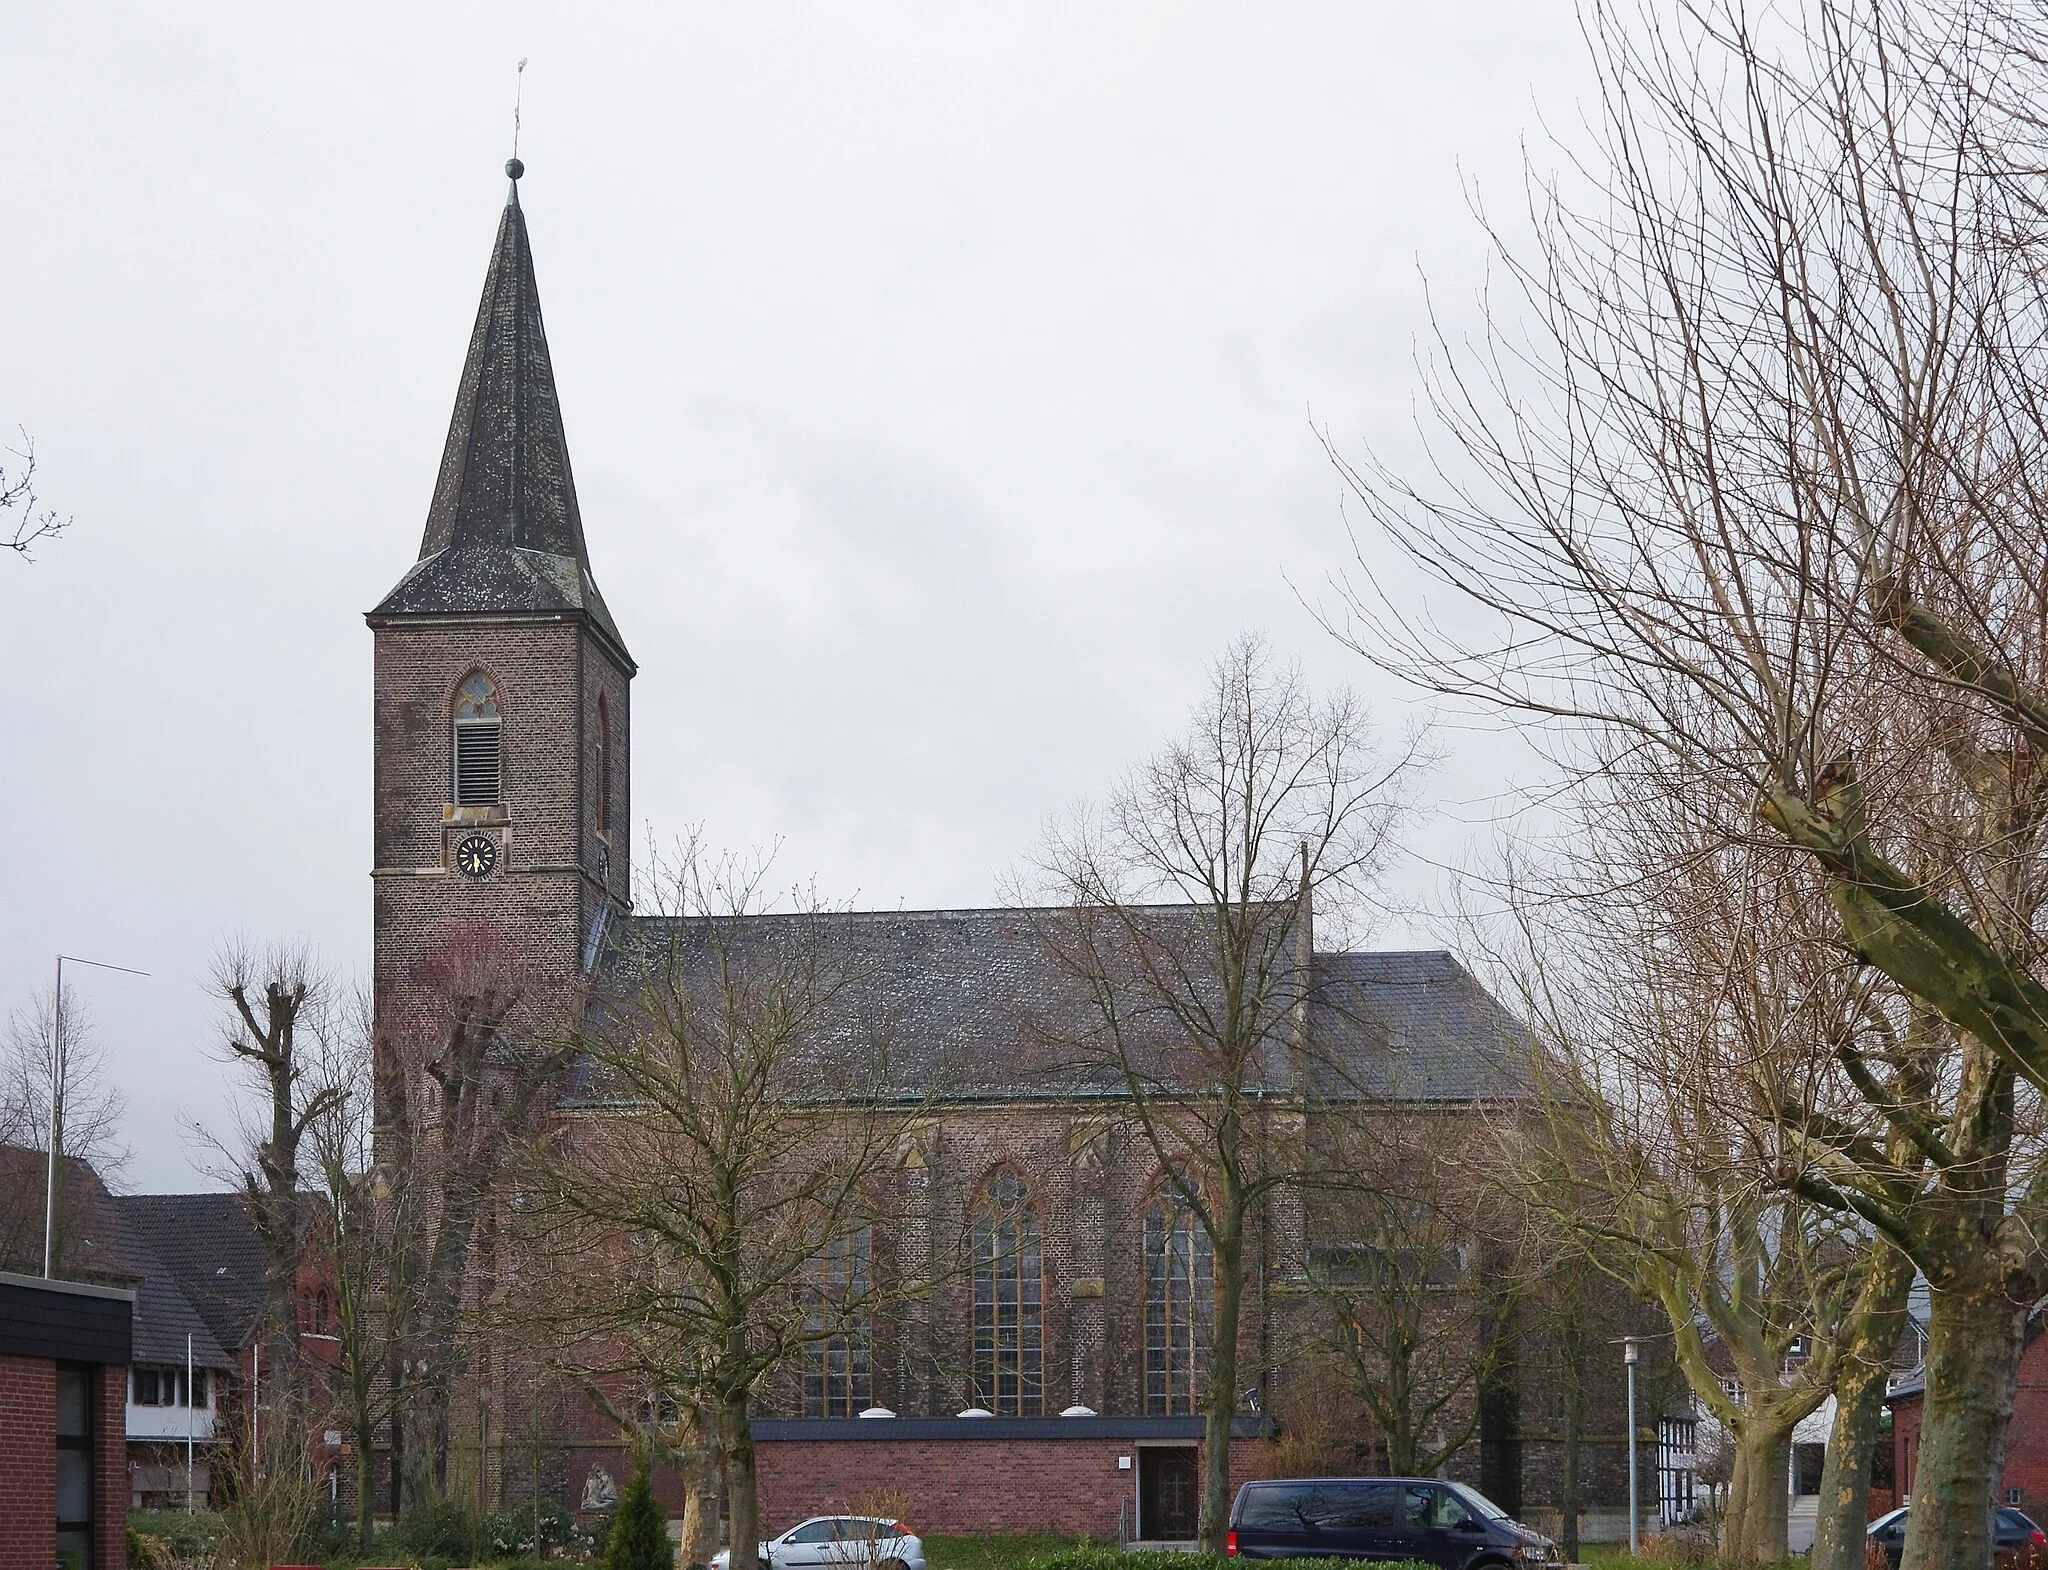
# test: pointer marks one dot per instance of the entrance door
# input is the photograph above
(1169, 1493)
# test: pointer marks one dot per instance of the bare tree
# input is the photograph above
(272, 1034)
(33, 1056)
(1272, 800)
(32, 523)
(1416, 1282)
(1754, 505)
(742, 1124)
(464, 1091)
(362, 1234)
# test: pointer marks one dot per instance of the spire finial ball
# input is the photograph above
(514, 168)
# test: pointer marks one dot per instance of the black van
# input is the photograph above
(1440, 1523)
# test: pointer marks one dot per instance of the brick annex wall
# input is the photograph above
(951, 1487)
(28, 1481)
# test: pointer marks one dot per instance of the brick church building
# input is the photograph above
(503, 778)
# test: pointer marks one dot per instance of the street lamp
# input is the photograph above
(1631, 1354)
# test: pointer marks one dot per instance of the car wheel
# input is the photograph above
(892, 1564)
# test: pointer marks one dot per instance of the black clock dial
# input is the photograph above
(476, 855)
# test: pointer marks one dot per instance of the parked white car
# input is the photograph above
(858, 1542)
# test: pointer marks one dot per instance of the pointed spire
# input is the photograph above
(504, 532)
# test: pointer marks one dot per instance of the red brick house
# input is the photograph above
(2025, 1483)
(64, 1352)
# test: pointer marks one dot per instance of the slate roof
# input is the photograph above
(209, 1251)
(504, 533)
(105, 1247)
(972, 1004)
(1414, 1026)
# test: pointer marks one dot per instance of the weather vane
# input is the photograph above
(514, 167)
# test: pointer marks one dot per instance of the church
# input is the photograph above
(503, 738)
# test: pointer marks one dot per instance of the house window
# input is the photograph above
(1180, 1296)
(74, 1467)
(146, 1387)
(478, 757)
(604, 765)
(1009, 1301)
(838, 1381)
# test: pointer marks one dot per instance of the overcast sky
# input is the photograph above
(939, 383)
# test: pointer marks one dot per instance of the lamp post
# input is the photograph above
(1631, 1353)
(57, 1100)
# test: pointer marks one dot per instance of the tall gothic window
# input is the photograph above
(604, 764)
(1180, 1296)
(838, 1378)
(1009, 1301)
(479, 760)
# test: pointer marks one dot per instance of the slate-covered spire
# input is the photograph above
(504, 533)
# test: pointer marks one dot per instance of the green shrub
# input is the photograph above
(512, 1532)
(172, 1537)
(445, 1531)
(1091, 1558)
(639, 1538)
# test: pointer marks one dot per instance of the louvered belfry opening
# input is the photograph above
(479, 753)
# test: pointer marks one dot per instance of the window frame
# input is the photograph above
(74, 1527)
(1006, 1320)
(1176, 1345)
(476, 712)
(839, 1359)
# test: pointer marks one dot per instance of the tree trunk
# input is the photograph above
(1219, 1397)
(1757, 1502)
(1866, 1353)
(366, 1489)
(736, 1440)
(1574, 1429)
(1974, 1336)
(698, 1448)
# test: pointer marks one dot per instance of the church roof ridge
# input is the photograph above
(504, 532)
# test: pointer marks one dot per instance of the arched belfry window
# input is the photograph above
(1009, 1301)
(604, 764)
(1180, 1298)
(479, 753)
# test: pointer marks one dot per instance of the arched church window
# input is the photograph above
(479, 759)
(1009, 1301)
(838, 1356)
(604, 764)
(1180, 1297)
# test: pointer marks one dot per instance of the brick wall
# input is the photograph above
(28, 1477)
(1073, 1487)
(28, 1466)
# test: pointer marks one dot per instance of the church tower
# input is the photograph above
(502, 735)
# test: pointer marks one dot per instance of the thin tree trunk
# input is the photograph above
(1757, 1502)
(1219, 1398)
(736, 1440)
(366, 1488)
(1865, 1361)
(1974, 1336)
(698, 1447)
(1574, 1429)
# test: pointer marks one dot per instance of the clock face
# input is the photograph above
(476, 855)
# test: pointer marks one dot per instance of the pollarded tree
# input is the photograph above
(1271, 802)
(273, 1033)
